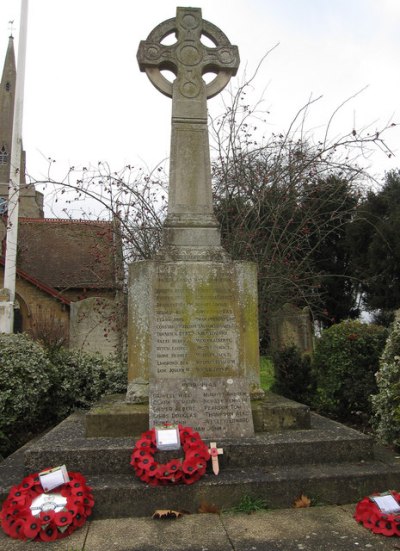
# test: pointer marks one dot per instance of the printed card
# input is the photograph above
(168, 438)
(386, 503)
(52, 478)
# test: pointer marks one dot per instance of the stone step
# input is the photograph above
(112, 417)
(336, 483)
(325, 442)
(329, 463)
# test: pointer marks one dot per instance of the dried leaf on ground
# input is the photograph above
(209, 508)
(302, 501)
(166, 514)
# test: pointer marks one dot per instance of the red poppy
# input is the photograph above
(141, 453)
(88, 500)
(63, 518)
(65, 491)
(16, 528)
(28, 482)
(146, 462)
(189, 466)
(79, 519)
(197, 455)
(16, 493)
(140, 444)
(46, 517)
(50, 533)
(174, 465)
(163, 473)
(78, 477)
(191, 479)
(32, 527)
(149, 435)
(185, 432)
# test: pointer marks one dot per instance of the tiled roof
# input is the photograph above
(67, 254)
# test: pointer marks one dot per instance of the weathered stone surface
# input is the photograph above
(191, 230)
(325, 442)
(93, 327)
(216, 407)
(292, 326)
(194, 319)
(193, 532)
(192, 313)
(113, 417)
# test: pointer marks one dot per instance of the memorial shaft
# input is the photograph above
(190, 223)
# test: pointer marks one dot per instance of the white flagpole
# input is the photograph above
(15, 168)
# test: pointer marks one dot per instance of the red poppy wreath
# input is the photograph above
(29, 513)
(369, 515)
(187, 470)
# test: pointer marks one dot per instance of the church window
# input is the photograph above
(3, 156)
(8, 86)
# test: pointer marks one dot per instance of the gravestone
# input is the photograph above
(192, 312)
(93, 326)
(292, 326)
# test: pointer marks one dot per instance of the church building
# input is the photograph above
(61, 263)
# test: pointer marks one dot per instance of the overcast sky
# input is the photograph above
(86, 100)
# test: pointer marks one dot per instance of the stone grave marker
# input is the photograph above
(192, 314)
(292, 326)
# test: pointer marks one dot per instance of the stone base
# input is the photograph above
(328, 462)
(113, 417)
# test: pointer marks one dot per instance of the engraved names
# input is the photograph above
(195, 328)
(225, 405)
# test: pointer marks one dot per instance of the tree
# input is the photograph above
(282, 201)
(375, 247)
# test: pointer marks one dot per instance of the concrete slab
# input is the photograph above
(190, 533)
(75, 542)
(315, 529)
(312, 529)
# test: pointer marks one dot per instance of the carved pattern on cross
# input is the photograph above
(189, 59)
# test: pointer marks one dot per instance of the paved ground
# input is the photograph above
(315, 529)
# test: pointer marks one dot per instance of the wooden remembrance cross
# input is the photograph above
(190, 196)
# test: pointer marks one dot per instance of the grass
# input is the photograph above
(249, 504)
(266, 373)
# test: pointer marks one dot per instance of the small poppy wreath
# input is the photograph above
(18, 521)
(369, 515)
(187, 470)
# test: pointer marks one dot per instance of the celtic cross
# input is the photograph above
(190, 225)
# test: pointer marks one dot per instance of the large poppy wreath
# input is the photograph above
(47, 520)
(368, 513)
(187, 470)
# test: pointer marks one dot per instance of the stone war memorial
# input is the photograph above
(193, 352)
(192, 329)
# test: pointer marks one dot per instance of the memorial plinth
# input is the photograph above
(194, 322)
(192, 312)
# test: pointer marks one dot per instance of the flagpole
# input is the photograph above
(10, 268)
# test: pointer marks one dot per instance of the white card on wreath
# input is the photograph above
(386, 503)
(168, 438)
(52, 478)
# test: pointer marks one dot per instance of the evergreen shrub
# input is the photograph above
(26, 375)
(386, 403)
(82, 378)
(292, 374)
(40, 386)
(345, 362)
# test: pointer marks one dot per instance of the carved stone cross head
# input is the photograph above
(189, 59)
(190, 229)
